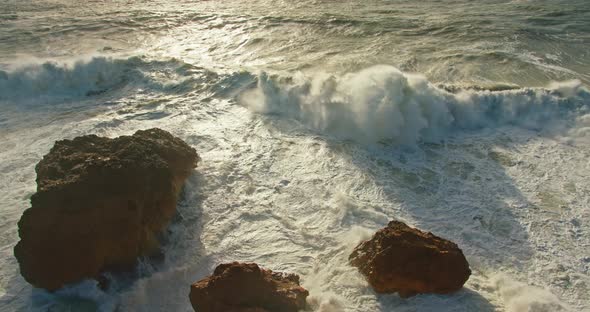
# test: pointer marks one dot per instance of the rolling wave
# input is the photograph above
(382, 103)
(96, 76)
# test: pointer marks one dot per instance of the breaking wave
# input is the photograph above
(383, 103)
(94, 76)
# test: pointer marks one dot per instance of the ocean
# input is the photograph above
(317, 122)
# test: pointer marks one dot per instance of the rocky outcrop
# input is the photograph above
(100, 203)
(408, 261)
(245, 287)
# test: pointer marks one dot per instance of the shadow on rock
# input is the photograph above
(164, 283)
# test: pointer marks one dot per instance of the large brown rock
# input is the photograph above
(408, 261)
(245, 287)
(100, 203)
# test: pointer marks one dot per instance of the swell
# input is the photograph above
(382, 103)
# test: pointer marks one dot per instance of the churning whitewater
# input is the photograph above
(382, 103)
(318, 123)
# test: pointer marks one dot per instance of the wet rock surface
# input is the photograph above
(100, 204)
(245, 287)
(405, 260)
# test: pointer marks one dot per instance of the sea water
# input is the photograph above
(318, 122)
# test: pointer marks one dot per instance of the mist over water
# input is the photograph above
(318, 122)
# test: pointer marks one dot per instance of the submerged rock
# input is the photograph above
(100, 203)
(408, 261)
(245, 287)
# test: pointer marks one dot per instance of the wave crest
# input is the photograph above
(96, 76)
(50, 78)
(383, 103)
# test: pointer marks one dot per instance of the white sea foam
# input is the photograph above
(513, 200)
(48, 80)
(85, 296)
(300, 204)
(51, 78)
(383, 103)
(520, 297)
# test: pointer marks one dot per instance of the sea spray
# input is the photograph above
(520, 297)
(382, 103)
(52, 81)
(60, 79)
(85, 296)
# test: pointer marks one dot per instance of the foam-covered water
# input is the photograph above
(318, 122)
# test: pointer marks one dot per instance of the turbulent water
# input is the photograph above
(318, 122)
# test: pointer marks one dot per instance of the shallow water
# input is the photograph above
(318, 122)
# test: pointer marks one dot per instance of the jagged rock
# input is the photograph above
(100, 203)
(245, 287)
(408, 261)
